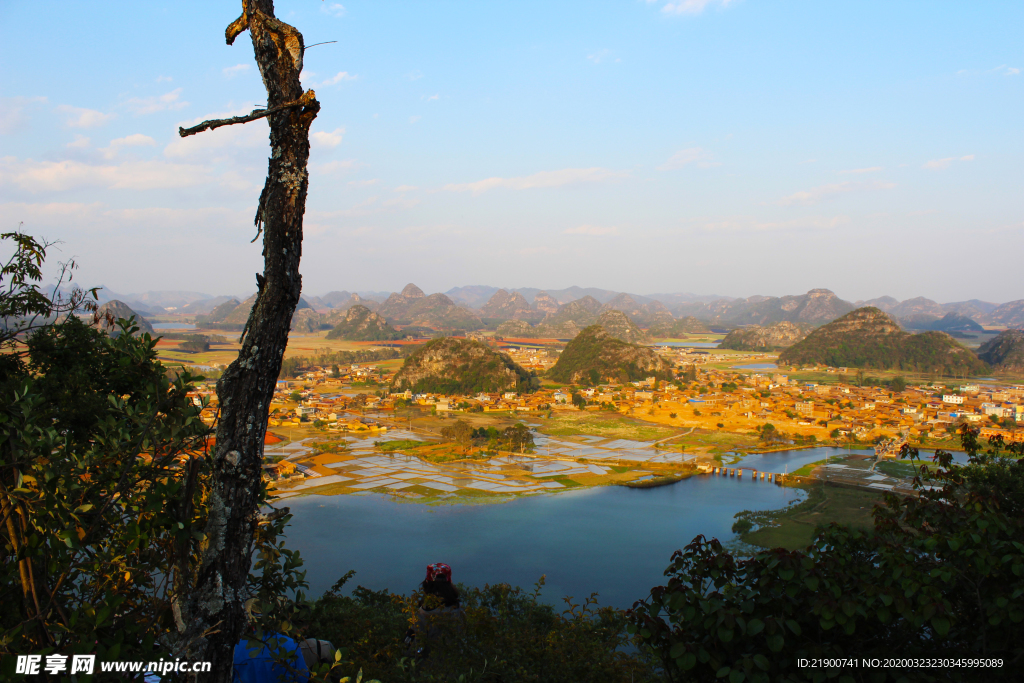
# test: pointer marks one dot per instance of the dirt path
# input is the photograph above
(676, 436)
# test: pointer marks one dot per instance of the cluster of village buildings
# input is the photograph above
(745, 402)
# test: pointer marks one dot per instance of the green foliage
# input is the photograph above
(102, 466)
(502, 634)
(103, 496)
(941, 575)
(195, 343)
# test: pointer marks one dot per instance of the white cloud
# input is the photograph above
(164, 79)
(12, 112)
(78, 117)
(332, 139)
(824, 192)
(566, 176)
(80, 142)
(150, 105)
(690, 155)
(941, 164)
(414, 75)
(334, 166)
(232, 71)
(1007, 70)
(415, 118)
(432, 97)
(871, 169)
(136, 140)
(692, 6)
(406, 188)
(334, 9)
(600, 230)
(599, 56)
(56, 176)
(338, 78)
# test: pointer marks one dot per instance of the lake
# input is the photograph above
(613, 540)
(173, 326)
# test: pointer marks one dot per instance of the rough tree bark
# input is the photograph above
(211, 618)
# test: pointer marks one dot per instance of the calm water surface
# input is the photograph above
(613, 540)
(173, 326)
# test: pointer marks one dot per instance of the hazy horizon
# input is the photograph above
(734, 147)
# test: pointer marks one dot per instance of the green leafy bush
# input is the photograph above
(941, 575)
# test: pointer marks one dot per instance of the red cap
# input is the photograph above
(439, 570)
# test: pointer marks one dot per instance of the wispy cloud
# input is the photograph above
(164, 79)
(431, 98)
(940, 164)
(136, 140)
(1007, 70)
(602, 56)
(414, 75)
(870, 169)
(232, 71)
(364, 183)
(691, 155)
(78, 117)
(151, 105)
(597, 230)
(406, 188)
(325, 139)
(12, 112)
(335, 166)
(692, 6)
(338, 78)
(80, 142)
(825, 192)
(334, 10)
(56, 176)
(414, 118)
(543, 179)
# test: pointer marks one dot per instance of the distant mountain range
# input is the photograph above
(477, 306)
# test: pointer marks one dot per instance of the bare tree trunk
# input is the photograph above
(213, 615)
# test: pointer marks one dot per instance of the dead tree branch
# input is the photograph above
(255, 115)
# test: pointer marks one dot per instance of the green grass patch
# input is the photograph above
(806, 470)
(794, 527)
(562, 479)
(607, 425)
(399, 445)
(619, 469)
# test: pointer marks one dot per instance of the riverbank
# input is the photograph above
(794, 527)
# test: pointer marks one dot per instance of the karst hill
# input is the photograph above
(359, 323)
(1004, 352)
(454, 365)
(594, 356)
(869, 338)
(757, 338)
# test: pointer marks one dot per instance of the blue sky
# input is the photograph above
(742, 147)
